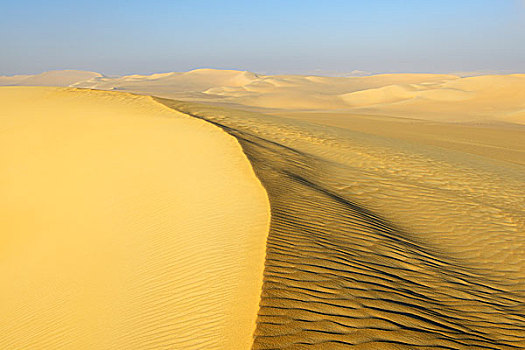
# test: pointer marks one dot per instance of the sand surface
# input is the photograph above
(124, 225)
(380, 243)
(397, 205)
(51, 78)
(499, 141)
(436, 97)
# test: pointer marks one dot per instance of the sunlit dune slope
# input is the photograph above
(378, 242)
(481, 98)
(124, 225)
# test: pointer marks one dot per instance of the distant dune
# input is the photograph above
(437, 97)
(51, 78)
(124, 225)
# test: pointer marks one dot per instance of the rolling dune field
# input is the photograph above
(232, 210)
(435, 97)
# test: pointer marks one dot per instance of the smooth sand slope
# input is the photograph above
(382, 243)
(124, 225)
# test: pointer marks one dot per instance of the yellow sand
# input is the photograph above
(437, 97)
(51, 78)
(124, 225)
(381, 240)
(397, 205)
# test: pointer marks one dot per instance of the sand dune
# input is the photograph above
(397, 207)
(436, 97)
(377, 243)
(124, 225)
(51, 78)
(198, 80)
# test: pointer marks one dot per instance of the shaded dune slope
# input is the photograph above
(376, 245)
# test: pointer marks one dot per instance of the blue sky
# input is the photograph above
(323, 37)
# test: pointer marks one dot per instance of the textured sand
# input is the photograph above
(499, 141)
(124, 225)
(380, 243)
(397, 205)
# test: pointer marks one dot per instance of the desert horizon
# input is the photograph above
(406, 230)
(291, 175)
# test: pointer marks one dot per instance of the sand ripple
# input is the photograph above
(376, 244)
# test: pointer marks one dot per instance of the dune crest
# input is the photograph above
(124, 225)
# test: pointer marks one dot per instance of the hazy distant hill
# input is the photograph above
(437, 97)
(51, 78)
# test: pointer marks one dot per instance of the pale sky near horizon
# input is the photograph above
(296, 36)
